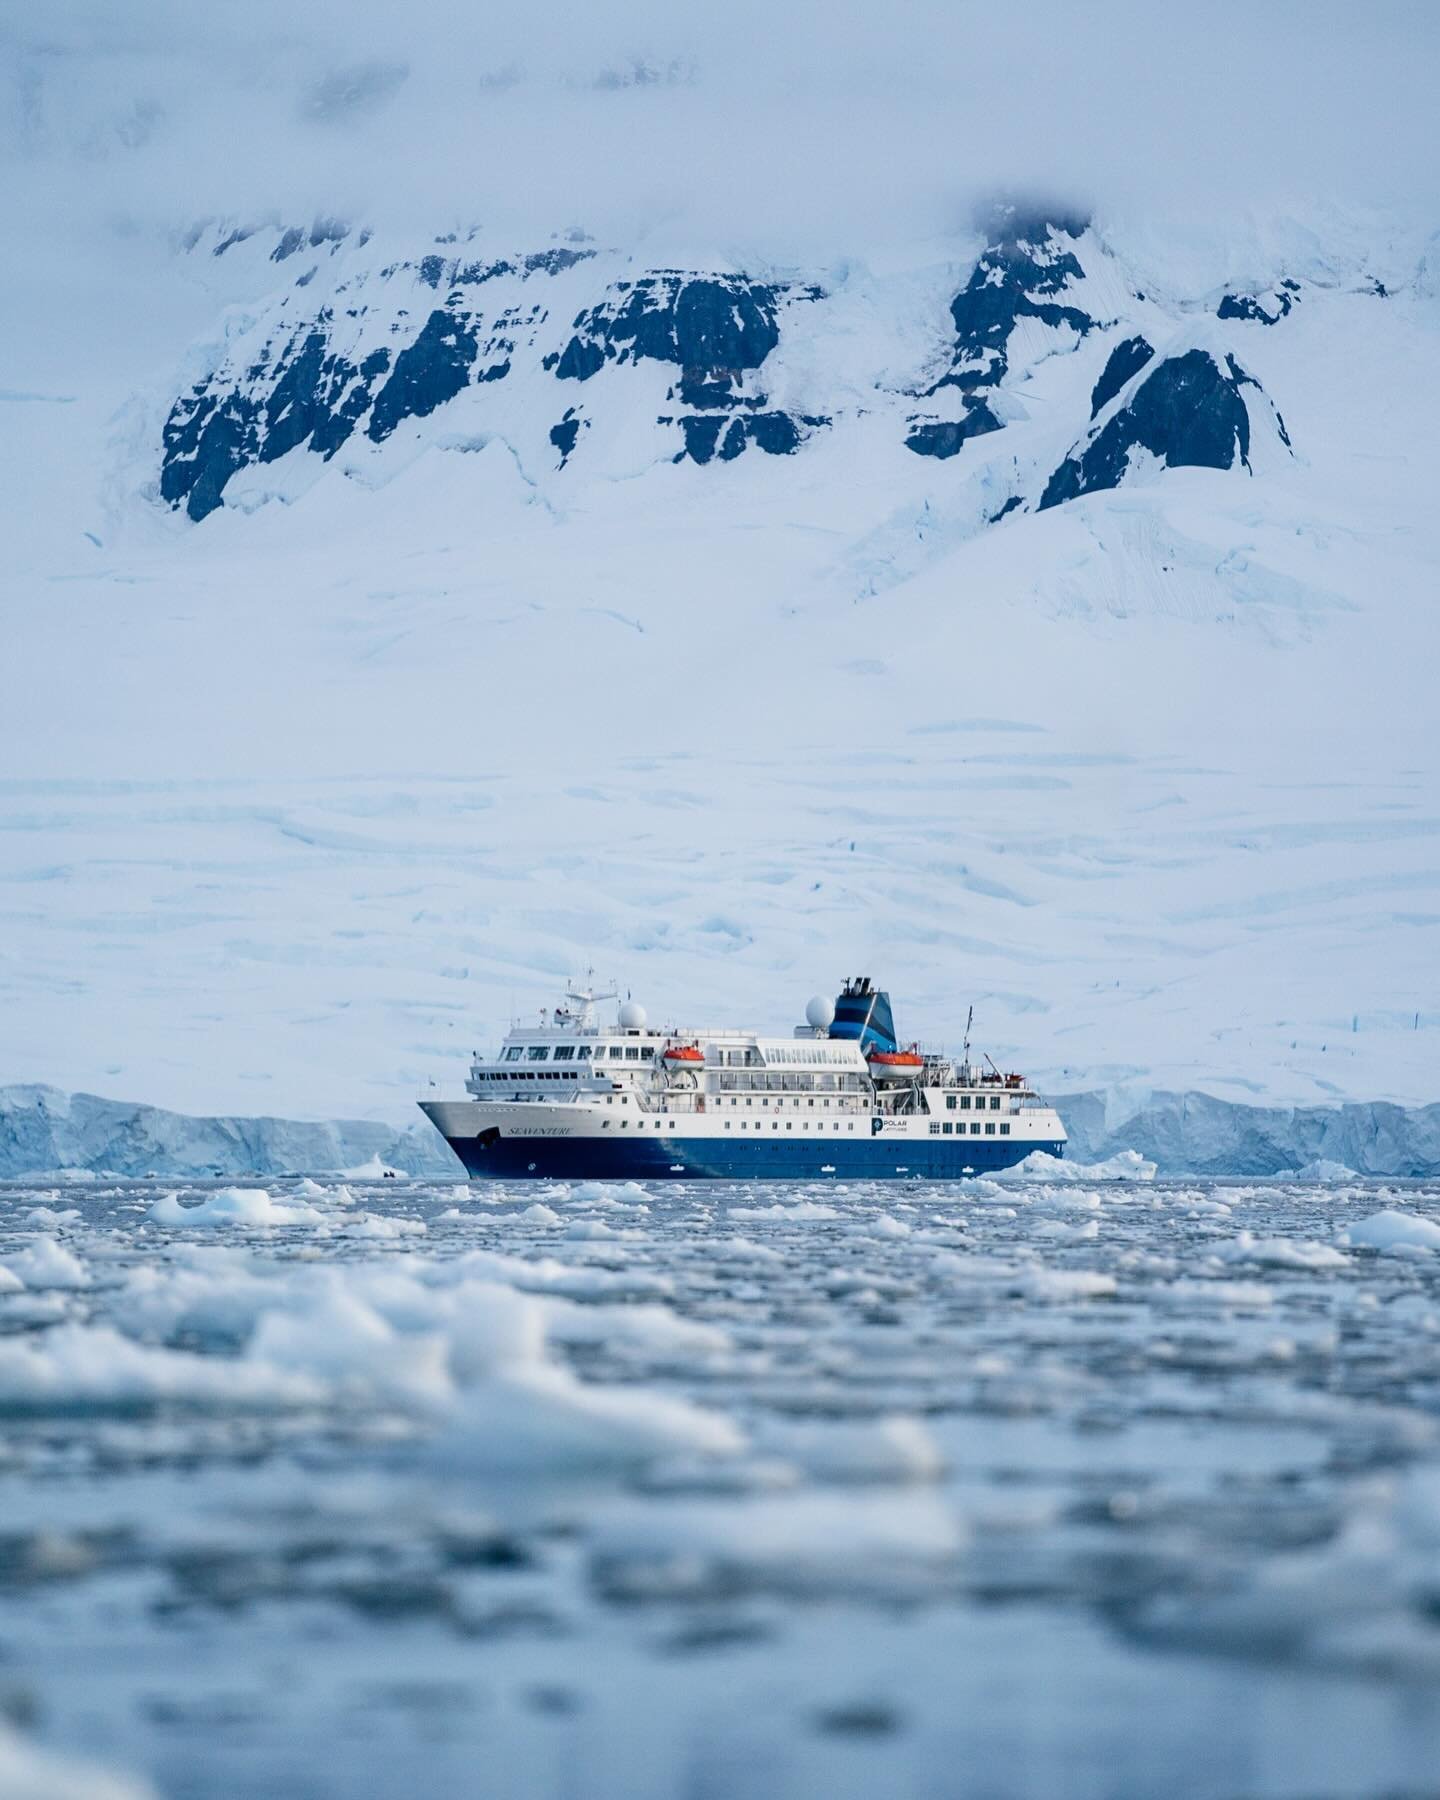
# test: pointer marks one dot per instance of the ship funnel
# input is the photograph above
(862, 1015)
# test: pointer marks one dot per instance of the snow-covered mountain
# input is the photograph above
(565, 353)
(1042, 615)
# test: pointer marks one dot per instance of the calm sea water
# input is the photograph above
(1091, 1489)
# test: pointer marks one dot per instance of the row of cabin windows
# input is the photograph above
(579, 1052)
(937, 1129)
(745, 1125)
(963, 1102)
(513, 1075)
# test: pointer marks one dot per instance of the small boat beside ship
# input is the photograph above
(839, 1098)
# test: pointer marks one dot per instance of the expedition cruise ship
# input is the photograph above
(839, 1098)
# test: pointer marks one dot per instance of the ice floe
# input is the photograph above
(1394, 1231)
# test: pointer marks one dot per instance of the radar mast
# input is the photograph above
(583, 998)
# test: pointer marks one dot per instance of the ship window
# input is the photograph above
(624, 1124)
(947, 1128)
(632, 1054)
(934, 1128)
(604, 1124)
(647, 1053)
(994, 1103)
(1004, 1131)
(564, 1052)
(964, 1103)
(514, 1053)
(582, 1052)
(989, 1131)
(789, 1124)
(537, 1052)
(774, 1124)
(975, 1130)
(950, 1102)
(617, 1051)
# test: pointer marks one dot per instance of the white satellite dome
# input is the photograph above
(820, 1013)
(632, 1016)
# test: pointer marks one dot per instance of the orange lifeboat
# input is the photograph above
(895, 1065)
(683, 1054)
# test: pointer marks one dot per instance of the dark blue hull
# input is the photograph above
(499, 1158)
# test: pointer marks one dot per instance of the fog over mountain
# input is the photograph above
(789, 128)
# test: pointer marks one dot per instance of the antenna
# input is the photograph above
(970, 1020)
(585, 996)
(991, 1060)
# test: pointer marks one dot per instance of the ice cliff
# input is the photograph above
(42, 1128)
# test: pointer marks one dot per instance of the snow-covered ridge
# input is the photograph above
(543, 345)
(44, 1129)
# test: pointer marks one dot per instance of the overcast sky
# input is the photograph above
(785, 123)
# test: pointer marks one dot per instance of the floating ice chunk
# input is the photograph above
(1063, 1284)
(895, 1449)
(800, 1211)
(543, 1275)
(10, 1282)
(46, 1264)
(1066, 1199)
(380, 1225)
(795, 1542)
(743, 1250)
(1125, 1165)
(1360, 1600)
(539, 1214)
(27, 1773)
(1391, 1230)
(46, 1215)
(608, 1193)
(1279, 1253)
(1058, 1228)
(647, 1327)
(1419, 1310)
(88, 1368)
(528, 1419)
(1252, 1295)
(1324, 1170)
(234, 1206)
(882, 1225)
(357, 1354)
